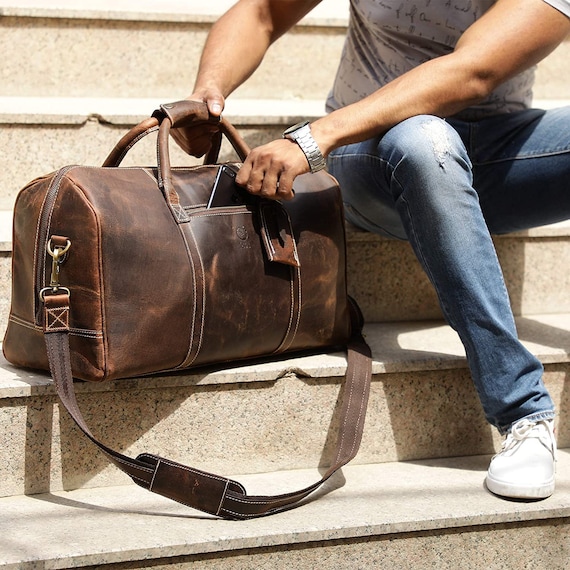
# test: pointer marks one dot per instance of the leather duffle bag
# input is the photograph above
(124, 272)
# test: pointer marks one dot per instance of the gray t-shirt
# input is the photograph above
(387, 38)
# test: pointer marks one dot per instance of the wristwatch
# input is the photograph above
(301, 134)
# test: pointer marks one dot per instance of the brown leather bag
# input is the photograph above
(123, 272)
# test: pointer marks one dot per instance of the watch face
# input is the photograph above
(295, 128)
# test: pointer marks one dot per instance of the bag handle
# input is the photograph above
(180, 114)
(207, 492)
(183, 113)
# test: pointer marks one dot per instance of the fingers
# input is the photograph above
(215, 105)
(212, 97)
(197, 140)
(269, 170)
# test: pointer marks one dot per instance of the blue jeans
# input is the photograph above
(446, 186)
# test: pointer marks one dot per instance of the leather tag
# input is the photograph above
(277, 234)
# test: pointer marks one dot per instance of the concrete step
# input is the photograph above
(390, 285)
(152, 48)
(278, 415)
(121, 49)
(5, 267)
(420, 515)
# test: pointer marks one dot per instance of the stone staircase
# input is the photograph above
(74, 77)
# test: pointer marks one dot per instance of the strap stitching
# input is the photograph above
(57, 316)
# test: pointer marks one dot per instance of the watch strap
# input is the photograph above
(302, 135)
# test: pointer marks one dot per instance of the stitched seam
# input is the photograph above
(358, 421)
(62, 174)
(267, 238)
(199, 348)
(291, 311)
(242, 515)
(298, 270)
(124, 462)
(154, 474)
(200, 338)
(255, 515)
(87, 333)
(193, 323)
(137, 478)
(285, 344)
(206, 214)
(223, 497)
(134, 141)
(249, 502)
(345, 420)
(295, 253)
(59, 315)
(185, 468)
(22, 323)
(35, 276)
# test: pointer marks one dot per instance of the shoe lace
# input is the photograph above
(525, 429)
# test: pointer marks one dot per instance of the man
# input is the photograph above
(430, 134)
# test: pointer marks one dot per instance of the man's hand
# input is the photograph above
(269, 170)
(196, 141)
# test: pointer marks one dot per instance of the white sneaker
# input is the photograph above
(525, 466)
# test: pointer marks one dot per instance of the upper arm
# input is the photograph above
(278, 16)
(511, 37)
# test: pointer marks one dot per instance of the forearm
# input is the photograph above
(239, 40)
(438, 87)
(227, 60)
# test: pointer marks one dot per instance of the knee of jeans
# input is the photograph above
(422, 140)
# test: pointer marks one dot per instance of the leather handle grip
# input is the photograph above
(180, 114)
(186, 114)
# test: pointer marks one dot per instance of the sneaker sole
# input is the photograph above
(519, 492)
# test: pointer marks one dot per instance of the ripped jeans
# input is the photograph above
(446, 186)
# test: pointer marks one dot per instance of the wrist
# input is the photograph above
(302, 135)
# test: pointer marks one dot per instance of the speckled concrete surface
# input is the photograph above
(432, 513)
(78, 57)
(215, 421)
(386, 279)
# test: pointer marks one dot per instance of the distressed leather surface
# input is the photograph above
(153, 292)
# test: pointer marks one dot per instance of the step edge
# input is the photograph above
(125, 111)
(449, 495)
(327, 16)
(421, 346)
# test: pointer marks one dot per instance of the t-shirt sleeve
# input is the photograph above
(562, 5)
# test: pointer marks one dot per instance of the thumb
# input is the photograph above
(216, 105)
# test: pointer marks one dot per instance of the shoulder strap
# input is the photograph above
(204, 491)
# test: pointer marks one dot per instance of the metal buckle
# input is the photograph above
(57, 254)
